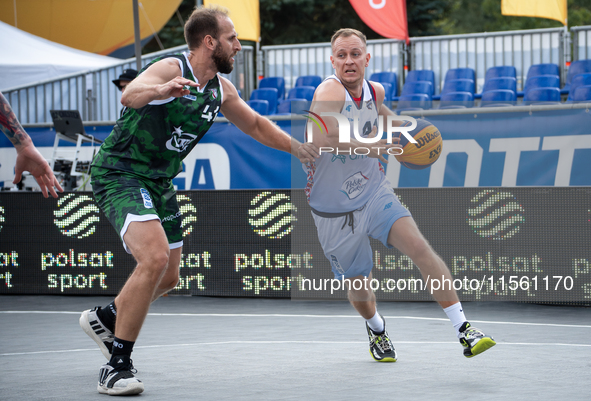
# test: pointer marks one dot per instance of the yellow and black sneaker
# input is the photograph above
(474, 341)
(380, 346)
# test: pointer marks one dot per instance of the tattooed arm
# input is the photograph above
(28, 157)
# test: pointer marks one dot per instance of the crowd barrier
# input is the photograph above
(482, 147)
(292, 61)
(94, 94)
(581, 37)
(481, 51)
(97, 99)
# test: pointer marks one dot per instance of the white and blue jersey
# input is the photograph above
(339, 183)
(350, 197)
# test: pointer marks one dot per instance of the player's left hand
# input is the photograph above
(29, 159)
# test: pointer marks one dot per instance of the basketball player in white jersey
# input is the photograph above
(352, 200)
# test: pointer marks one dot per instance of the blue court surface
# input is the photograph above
(199, 348)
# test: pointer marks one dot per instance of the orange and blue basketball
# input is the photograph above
(426, 151)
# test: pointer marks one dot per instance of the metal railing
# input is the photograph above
(481, 51)
(292, 61)
(97, 99)
(581, 36)
(94, 95)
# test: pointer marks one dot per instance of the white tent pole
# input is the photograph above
(136, 32)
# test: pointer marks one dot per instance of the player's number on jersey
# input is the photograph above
(209, 115)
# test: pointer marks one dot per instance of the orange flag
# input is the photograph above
(385, 17)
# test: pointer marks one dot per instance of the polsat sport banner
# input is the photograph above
(385, 17)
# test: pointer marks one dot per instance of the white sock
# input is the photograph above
(376, 323)
(455, 313)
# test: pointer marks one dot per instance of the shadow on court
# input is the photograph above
(199, 348)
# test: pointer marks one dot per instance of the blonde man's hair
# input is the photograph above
(345, 33)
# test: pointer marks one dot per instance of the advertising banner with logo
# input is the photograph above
(550, 148)
(501, 244)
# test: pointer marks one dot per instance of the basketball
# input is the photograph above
(426, 151)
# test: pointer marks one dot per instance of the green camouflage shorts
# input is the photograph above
(125, 197)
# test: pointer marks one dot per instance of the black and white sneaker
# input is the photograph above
(380, 346)
(92, 325)
(120, 380)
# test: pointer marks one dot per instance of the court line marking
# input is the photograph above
(584, 326)
(255, 342)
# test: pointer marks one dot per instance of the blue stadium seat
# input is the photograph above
(500, 83)
(542, 81)
(294, 105)
(576, 68)
(582, 94)
(268, 94)
(578, 80)
(542, 96)
(387, 91)
(458, 85)
(421, 75)
(456, 100)
(417, 101)
(460, 73)
(301, 92)
(260, 106)
(501, 71)
(309, 80)
(414, 87)
(386, 78)
(542, 69)
(274, 82)
(498, 97)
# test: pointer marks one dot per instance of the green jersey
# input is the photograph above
(152, 141)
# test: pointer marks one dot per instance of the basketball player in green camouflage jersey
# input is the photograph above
(170, 106)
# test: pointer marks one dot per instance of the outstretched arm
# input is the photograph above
(260, 128)
(28, 157)
(160, 81)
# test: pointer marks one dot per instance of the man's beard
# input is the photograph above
(222, 62)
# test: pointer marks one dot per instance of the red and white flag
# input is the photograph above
(385, 17)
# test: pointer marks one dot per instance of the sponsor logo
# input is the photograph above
(147, 200)
(272, 215)
(425, 139)
(354, 185)
(335, 263)
(76, 216)
(496, 214)
(213, 94)
(180, 140)
(435, 152)
(172, 216)
(189, 213)
(388, 206)
(190, 97)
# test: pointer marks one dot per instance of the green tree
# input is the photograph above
(172, 34)
(312, 21)
(307, 21)
(471, 16)
(423, 16)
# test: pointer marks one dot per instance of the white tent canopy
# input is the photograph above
(26, 58)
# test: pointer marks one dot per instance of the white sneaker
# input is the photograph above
(96, 330)
(118, 382)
